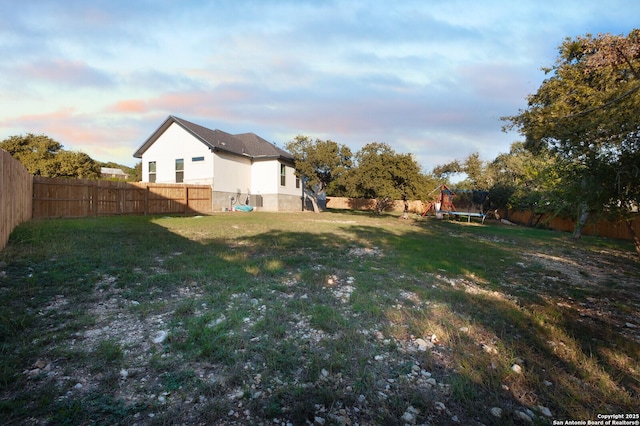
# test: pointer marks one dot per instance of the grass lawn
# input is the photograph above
(339, 318)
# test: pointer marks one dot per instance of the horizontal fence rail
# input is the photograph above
(60, 197)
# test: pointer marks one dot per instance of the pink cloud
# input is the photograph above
(201, 103)
(103, 140)
(129, 106)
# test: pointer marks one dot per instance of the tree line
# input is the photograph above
(580, 156)
(44, 156)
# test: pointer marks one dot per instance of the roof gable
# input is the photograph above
(245, 144)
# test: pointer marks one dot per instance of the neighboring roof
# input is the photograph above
(112, 171)
(245, 144)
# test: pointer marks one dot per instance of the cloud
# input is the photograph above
(431, 78)
(498, 82)
(100, 138)
(65, 72)
(129, 106)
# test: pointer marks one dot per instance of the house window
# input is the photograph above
(152, 171)
(197, 159)
(179, 170)
(297, 182)
(283, 175)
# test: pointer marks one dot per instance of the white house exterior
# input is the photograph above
(239, 168)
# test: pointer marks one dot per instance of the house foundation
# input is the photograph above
(225, 201)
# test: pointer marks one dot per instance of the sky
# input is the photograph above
(428, 77)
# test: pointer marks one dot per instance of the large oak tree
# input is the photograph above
(318, 163)
(384, 175)
(588, 113)
(43, 156)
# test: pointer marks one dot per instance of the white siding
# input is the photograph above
(173, 144)
(233, 173)
(228, 174)
(266, 179)
(290, 182)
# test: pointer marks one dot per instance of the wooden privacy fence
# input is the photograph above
(15, 195)
(61, 197)
(415, 206)
(599, 228)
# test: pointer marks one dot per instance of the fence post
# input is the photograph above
(146, 200)
(94, 201)
(121, 197)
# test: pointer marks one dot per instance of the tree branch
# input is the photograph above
(603, 106)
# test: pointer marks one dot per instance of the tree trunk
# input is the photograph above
(533, 214)
(582, 220)
(538, 219)
(314, 203)
(636, 239)
(382, 204)
(314, 200)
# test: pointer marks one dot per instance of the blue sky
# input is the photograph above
(427, 77)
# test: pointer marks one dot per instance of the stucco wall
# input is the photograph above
(232, 173)
(176, 143)
(290, 203)
(266, 178)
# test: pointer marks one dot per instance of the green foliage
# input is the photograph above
(134, 173)
(281, 342)
(479, 174)
(378, 173)
(75, 165)
(588, 113)
(526, 181)
(43, 156)
(35, 152)
(384, 175)
(319, 163)
(108, 353)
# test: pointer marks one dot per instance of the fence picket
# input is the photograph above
(16, 186)
(61, 197)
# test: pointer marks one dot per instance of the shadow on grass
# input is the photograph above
(210, 290)
(575, 367)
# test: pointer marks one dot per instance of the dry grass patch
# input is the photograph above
(343, 318)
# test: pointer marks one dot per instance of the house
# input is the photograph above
(241, 169)
(113, 173)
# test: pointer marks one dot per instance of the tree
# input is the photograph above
(384, 175)
(43, 156)
(445, 171)
(526, 181)
(136, 172)
(478, 174)
(73, 164)
(35, 152)
(318, 163)
(588, 113)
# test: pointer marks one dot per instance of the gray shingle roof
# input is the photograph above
(244, 144)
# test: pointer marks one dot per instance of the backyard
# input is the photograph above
(341, 318)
